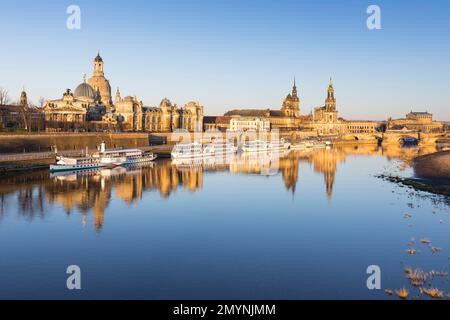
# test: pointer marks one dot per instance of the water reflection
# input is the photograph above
(91, 192)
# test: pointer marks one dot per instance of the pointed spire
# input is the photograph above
(294, 89)
(84, 77)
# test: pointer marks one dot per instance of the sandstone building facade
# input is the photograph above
(287, 118)
(417, 121)
(90, 107)
(325, 121)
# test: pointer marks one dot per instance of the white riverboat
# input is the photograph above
(118, 157)
(279, 145)
(191, 150)
(221, 148)
(73, 164)
(103, 158)
(299, 146)
(256, 146)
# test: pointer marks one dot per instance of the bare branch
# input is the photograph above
(4, 96)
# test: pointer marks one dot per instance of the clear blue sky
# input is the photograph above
(237, 53)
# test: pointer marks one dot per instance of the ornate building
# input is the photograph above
(100, 83)
(74, 109)
(418, 121)
(66, 113)
(325, 121)
(238, 124)
(168, 117)
(129, 112)
(90, 107)
(291, 105)
(287, 118)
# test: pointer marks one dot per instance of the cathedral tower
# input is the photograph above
(98, 66)
(118, 97)
(100, 83)
(330, 102)
(291, 105)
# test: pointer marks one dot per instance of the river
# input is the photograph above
(305, 227)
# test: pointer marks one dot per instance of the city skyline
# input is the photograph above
(191, 52)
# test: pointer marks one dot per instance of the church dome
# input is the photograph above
(84, 90)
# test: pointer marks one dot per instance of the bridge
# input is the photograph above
(394, 136)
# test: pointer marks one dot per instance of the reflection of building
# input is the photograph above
(91, 107)
(325, 161)
(290, 170)
(88, 191)
(249, 124)
(418, 121)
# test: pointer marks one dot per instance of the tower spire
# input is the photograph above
(294, 89)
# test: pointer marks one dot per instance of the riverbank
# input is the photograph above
(36, 161)
(433, 166)
(432, 174)
(438, 186)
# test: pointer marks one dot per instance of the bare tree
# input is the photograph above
(4, 96)
(23, 110)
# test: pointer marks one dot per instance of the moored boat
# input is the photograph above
(256, 146)
(73, 164)
(118, 157)
(191, 150)
(279, 145)
(299, 146)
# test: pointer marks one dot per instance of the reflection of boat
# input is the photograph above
(72, 164)
(191, 150)
(187, 162)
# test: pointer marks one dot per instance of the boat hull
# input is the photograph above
(60, 167)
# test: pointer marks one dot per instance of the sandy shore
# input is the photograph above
(433, 166)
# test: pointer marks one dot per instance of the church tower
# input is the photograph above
(291, 105)
(118, 97)
(100, 84)
(330, 102)
(23, 99)
(98, 66)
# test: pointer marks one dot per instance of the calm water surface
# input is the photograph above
(240, 230)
